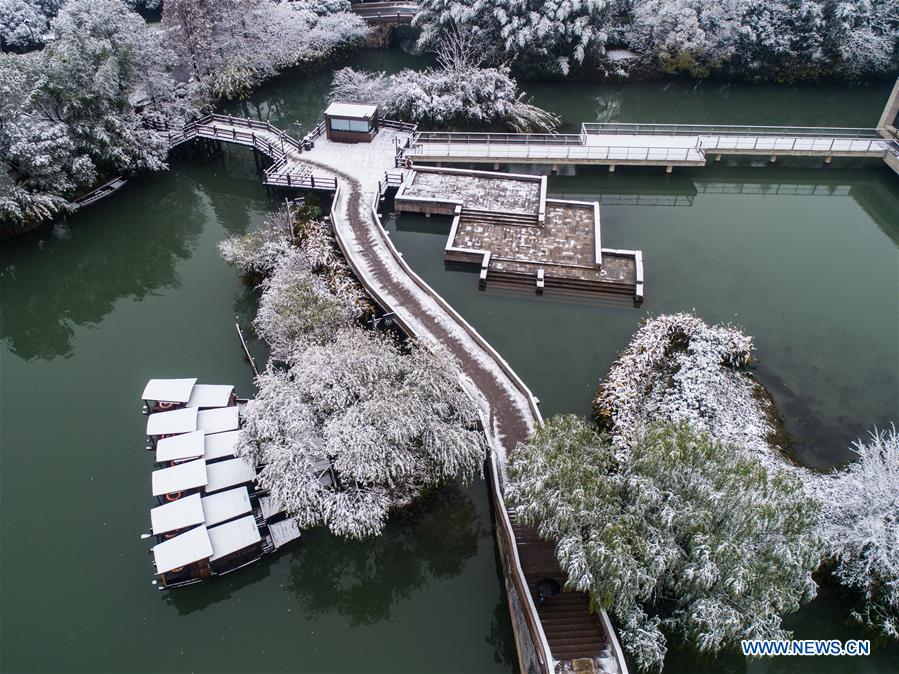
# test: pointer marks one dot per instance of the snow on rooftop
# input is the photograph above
(180, 447)
(233, 536)
(269, 506)
(355, 110)
(226, 505)
(217, 420)
(182, 550)
(221, 445)
(185, 512)
(184, 476)
(284, 531)
(229, 473)
(168, 390)
(176, 421)
(210, 395)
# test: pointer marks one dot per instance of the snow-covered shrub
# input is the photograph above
(296, 305)
(682, 537)
(260, 251)
(860, 527)
(381, 423)
(679, 368)
(459, 92)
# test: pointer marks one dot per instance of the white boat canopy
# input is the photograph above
(233, 536)
(189, 547)
(169, 390)
(269, 506)
(217, 420)
(220, 445)
(210, 395)
(176, 421)
(182, 477)
(283, 532)
(225, 474)
(226, 505)
(185, 512)
(181, 447)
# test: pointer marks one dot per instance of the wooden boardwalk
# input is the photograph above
(508, 408)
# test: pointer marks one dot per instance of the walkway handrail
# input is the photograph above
(504, 138)
(726, 129)
(559, 152)
(809, 143)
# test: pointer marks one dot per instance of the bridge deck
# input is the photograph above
(649, 145)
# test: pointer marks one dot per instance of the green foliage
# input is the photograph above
(681, 537)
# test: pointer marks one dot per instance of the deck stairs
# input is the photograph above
(572, 629)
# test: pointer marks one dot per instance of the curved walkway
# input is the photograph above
(563, 628)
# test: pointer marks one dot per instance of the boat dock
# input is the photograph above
(211, 517)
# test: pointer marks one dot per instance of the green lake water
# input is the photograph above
(134, 288)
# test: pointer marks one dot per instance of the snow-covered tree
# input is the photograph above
(355, 428)
(775, 39)
(682, 537)
(25, 24)
(860, 527)
(80, 110)
(459, 92)
(678, 368)
(233, 45)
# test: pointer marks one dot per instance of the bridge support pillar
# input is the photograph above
(611, 168)
(828, 159)
(669, 168)
(496, 166)
(554, 169)
(772, 158)
(717, 157)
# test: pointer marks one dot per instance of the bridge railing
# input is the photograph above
(815, 144)
(593, 128)
(499, 138)
(602, 153)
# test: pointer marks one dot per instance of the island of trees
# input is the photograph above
(677, 510)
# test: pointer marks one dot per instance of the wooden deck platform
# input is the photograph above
(505, 224)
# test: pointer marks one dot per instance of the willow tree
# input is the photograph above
(860, 514)
(357, 427)
(682, 537)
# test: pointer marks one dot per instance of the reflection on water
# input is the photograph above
(50, 283)
(363, 580)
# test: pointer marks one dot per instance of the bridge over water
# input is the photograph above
(667, 145)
